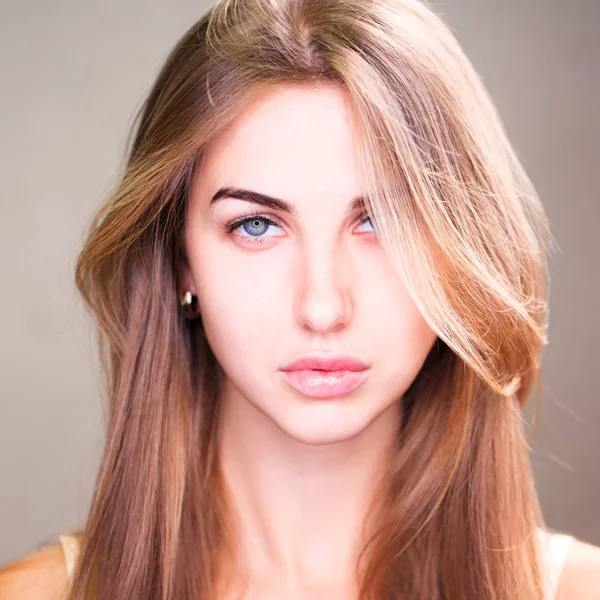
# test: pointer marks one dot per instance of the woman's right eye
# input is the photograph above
(252, 228)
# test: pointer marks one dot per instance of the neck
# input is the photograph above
(300, 507)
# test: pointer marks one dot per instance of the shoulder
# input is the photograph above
(580, 579)
(41, 575)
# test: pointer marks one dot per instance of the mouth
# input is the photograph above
(317, 383)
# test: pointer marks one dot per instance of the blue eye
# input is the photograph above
(254, 225)
(369, 220)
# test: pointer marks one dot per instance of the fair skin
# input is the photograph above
(300, 470)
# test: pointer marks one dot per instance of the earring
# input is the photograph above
(189, 305)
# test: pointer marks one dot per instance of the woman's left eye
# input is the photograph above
(367, 218)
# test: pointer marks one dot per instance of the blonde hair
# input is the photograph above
(456, 514)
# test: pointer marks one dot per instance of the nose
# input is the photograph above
(324, 295)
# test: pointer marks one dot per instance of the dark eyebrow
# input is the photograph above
(270, 202)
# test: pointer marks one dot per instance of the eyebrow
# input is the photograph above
(359, 202)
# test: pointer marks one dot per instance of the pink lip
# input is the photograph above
(328, 376)
(326, 362)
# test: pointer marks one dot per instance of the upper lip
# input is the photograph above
(326, 362)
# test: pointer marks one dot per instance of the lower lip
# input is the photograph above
(325, 384)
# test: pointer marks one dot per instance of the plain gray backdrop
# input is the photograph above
(74, 72)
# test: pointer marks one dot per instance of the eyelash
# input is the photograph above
(233, 225)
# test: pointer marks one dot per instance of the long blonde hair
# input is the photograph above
(455, 516)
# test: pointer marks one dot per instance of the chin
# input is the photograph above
(322, 422)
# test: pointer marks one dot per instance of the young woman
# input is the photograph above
(320, 289)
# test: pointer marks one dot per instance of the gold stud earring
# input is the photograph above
(189, 305)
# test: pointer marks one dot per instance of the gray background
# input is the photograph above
(73, 74)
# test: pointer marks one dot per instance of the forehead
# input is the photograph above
(292, 142)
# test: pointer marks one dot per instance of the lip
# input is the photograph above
(325, 376)
(326, 362)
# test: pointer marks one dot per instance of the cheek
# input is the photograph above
(237, 296)
(399, 334)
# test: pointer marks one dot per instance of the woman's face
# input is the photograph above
(312, 279)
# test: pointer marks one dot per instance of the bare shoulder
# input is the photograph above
(580, 579)
(41, 575)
